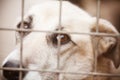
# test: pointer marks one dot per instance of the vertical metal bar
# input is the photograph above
(97, 31)
(59, 28)
(60, 14)
(98, 15)
(59, 40)
(21, 38)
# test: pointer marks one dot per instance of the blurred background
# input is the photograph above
(10, 10)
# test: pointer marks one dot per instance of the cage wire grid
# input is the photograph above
(94, 73)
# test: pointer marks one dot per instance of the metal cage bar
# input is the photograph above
(97, 31)
(21, 38)
(59, 71)
(77, 33)
(59, 40)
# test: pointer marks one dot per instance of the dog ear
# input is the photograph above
(107, 46)
(27, 24)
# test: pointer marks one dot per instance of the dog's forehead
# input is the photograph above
(68, 24)
(46, 16)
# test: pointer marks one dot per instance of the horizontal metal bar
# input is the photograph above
(45, 31)
(65, 72)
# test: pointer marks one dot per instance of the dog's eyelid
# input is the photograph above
(61, 28)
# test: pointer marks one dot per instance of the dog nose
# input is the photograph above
(10, 74)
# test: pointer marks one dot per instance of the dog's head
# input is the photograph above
(76, 52)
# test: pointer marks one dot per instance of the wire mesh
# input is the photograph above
(21, 38)
(97, 31)
(94, 73)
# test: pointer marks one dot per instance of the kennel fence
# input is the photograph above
(97, 33)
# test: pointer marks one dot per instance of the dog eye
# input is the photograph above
(26, 25)
(64, 39)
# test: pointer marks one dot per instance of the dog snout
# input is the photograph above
(11, 74)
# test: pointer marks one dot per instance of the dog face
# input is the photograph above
(40, 50)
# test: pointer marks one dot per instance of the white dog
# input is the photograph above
(77, 52)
